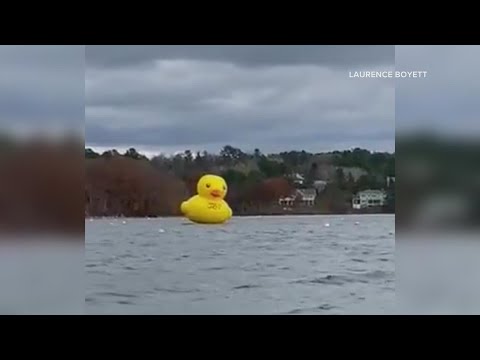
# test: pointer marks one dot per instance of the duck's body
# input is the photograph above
(208, 207)
(206, 211)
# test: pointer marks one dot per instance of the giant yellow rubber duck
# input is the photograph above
(208, 206)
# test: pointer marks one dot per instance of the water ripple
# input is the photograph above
(251, 265)
(214, 268)
(246, 286)
(324, 307)
(115, 294)
(176, 291)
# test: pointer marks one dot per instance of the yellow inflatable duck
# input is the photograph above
(208, 206)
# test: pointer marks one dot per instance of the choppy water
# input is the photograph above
(251, 265)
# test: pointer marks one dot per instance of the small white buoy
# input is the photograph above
(327, 225)
(357, 223)
(124, 222)
(161, 230)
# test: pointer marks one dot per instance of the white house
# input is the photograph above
(297, 178)
(302, 196)
(369, 198)
(307, 196)
(287, 200)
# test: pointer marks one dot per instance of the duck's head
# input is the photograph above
(212, 187)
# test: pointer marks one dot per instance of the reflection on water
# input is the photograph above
(251, 265)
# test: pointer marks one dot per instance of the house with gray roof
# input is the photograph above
(305, 197)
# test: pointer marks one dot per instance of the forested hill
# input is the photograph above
(130, 184)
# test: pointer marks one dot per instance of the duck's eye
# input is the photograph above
(208, 185)
(224, 188)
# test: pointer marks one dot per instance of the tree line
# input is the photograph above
(130, 184)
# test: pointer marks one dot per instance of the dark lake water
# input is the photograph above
(251, 265)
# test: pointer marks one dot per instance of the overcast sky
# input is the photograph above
(42, 88)
(447, 101)
(276, 98)
(172, 98)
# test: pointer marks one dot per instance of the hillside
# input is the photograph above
(130, 184)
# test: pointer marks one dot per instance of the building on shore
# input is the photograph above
(369, 198)
(302, 197)
(287, 200)
(296, 178)
(307, 196)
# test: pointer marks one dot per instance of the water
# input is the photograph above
(251, 265)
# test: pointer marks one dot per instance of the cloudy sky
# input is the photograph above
(276, 98)
(42, 88)
(447, 101)
(172, 98)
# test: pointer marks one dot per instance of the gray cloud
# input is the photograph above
(245, 55)
(42, 87)
(272, 97)
(447, 100)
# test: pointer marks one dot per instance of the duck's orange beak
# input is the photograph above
(216, 193)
